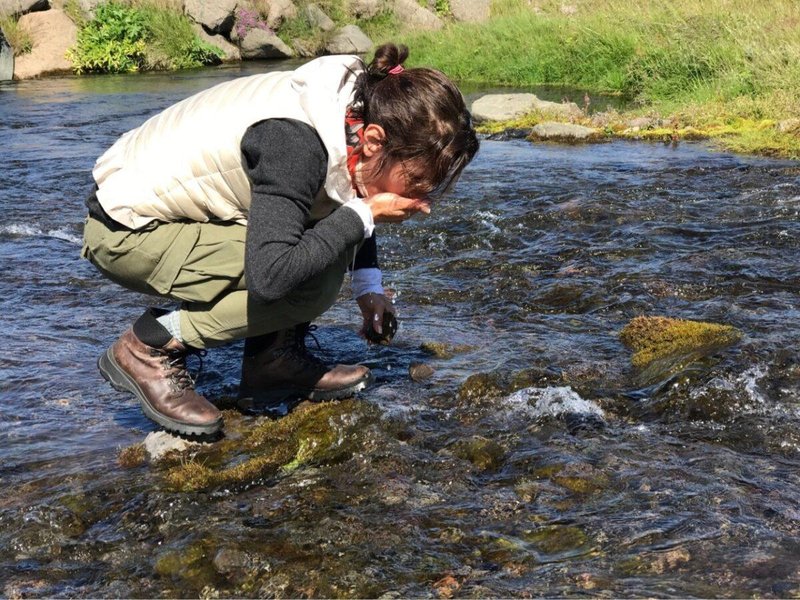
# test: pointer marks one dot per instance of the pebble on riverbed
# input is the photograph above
(420, 371)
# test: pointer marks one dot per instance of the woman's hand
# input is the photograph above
(392, 208)
(372, 308)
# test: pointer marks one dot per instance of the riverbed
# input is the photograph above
(533, 462)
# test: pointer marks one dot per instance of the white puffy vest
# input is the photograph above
(186, 162)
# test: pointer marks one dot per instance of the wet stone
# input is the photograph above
(158, 445)
(485, 454)
(445, 350)
(420, 371)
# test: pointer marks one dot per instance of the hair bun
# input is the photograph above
(387, 57)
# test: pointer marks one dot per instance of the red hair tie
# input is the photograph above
(396, 70)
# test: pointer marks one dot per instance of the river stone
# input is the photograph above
(564, 132)
(349, 40)
(6, 59)
(217, 16)
(158, 444)
(21, 7)
(259, 43)
(52, 32)
(317, 18)
(473, 11)
(413, 16)
(420, 371)
(232, 53)
(503, 107)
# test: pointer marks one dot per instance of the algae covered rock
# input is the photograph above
(313, 434)
(663, 345)
(485, 454)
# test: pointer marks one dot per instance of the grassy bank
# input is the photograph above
(729, 69)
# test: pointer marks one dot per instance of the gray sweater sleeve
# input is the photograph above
(287, 164)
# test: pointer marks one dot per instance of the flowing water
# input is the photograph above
(533, 462)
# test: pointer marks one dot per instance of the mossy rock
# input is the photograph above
(313, 434)
(485, 454)
(482, 385)
(444, 350)
(656, 338)
(663, 346)
(557, 539)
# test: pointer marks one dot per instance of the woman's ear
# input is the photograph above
(374, 136)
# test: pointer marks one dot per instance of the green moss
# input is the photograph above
(660, 338)
(317, 434)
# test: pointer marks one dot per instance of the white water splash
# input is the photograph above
(31, 231)
(551, 402)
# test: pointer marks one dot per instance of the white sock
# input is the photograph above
(172, 323)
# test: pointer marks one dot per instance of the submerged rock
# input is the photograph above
(420, 371)
(444, 350)
(484, 453)
(662, 338)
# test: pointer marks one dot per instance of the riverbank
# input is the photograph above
(726, 70)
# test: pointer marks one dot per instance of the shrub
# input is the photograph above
(124, 38)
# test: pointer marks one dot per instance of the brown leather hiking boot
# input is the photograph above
(159, 379)
(278, 367)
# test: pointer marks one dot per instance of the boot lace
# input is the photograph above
(298, 346)
(178, 372)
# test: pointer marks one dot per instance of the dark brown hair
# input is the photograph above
(428, 127)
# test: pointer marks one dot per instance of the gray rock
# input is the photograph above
(21, 7)
(474, 11)
(413, 16)
(232, 53)
(217, 16)
(279, 11)
(304, 48)
(259, 43)
(87, 7)
(366, 9)
(317, 18)
(502, 107)
(641, 123)
(349, 40)
(564, 132)
(158, 444)
(420, 371)
(6, 59)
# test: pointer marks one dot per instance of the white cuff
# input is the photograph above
(363, 211)
(366, 281)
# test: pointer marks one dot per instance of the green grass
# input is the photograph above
(707, 59)
(17, 37)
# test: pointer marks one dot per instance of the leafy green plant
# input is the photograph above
(124, 38)
(17, 37)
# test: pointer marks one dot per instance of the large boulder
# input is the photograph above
(349, 40)
(259, 43)
(52, 32)
(232, 53)
(6, 59)
(503, 107)
(216, 17)
(280, 11)
(413, 16)
(317, 18)
(21, 7)
(366, 9)
(475, 11)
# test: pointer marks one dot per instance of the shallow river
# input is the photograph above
(534, 462)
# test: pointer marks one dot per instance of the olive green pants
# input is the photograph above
(202, 265)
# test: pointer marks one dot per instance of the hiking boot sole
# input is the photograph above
(276, 396)
(123, 382)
